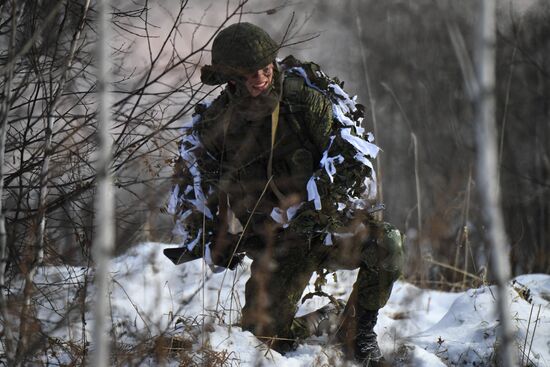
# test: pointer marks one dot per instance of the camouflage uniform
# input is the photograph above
(236, 133)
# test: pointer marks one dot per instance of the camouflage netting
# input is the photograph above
(344, 184)
(345, 181)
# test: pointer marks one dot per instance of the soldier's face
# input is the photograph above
(258, 82)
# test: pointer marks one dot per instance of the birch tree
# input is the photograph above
(104, 237)
(486, 140)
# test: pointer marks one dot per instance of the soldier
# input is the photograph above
(252, 154)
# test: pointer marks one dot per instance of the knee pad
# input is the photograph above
(390, 240)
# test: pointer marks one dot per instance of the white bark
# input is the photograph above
(104, 237)
(487, 172)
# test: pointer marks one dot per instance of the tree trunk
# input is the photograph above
(487, 172)
(104, 235)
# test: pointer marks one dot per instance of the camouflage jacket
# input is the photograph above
(239, 148)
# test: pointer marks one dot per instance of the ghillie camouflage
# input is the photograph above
(341, 188)
(345, 182)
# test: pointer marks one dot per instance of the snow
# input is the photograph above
(418, 327)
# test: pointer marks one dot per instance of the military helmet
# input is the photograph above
(239, 49)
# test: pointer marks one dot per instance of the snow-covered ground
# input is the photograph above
(151, 297)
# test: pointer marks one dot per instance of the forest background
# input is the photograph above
(404, 60)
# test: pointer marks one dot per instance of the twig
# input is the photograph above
(4, 113)
(443, 265)
(38, 253)
(364, 64)
(505, 112)
(526, 335)
(417, 185)
(134, 305)
(8, 68)
(241, 237)
(534, 330)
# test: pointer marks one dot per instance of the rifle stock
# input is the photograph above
(179, 255)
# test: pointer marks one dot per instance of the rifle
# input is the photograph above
(182, 255)
(224, 254)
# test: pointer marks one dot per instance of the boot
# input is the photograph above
(322, 321)
(367, 351)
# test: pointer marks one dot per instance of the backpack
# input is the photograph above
(345, 181)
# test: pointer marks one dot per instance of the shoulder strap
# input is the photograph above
(274, 124)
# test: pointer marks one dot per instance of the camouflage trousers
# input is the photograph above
(282, 270)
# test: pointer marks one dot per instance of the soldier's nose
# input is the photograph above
(257, 75)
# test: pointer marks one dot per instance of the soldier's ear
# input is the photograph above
(232, 86)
